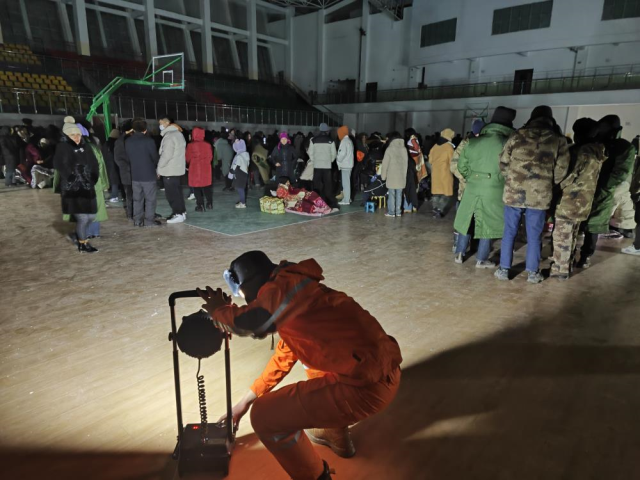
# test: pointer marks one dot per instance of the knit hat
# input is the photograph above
(324, 127)
(115, 133)
(541, 111)
(448, 134)
(476, 126)
(239, 146)
(504, 116)
(70, 129)
(280, 137)
(69, 119)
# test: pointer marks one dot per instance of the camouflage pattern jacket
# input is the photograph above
(462, 183)
(579, 188)
(533, 160)
(635, 182)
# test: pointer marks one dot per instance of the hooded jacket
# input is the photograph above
(345, 151)
(440, 159)
(326, 330)
(172, 152)
(322, 151)
(223, 154)
(199, 155)
(533, 160)
(395, 164)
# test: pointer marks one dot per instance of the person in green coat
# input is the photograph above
(615, 170)
(481, 207)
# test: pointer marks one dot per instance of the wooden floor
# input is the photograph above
(500, 380)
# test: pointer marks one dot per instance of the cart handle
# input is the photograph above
(182, 294)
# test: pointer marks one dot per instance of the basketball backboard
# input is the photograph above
(169, 71)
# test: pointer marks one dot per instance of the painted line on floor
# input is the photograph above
(275, 228)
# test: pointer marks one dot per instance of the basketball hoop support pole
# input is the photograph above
(103, 97)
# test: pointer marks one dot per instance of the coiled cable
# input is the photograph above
(202, 401)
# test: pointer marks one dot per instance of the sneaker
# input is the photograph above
(337, 439)
(458, 258)
(437, 214)
(42, 184)
(114, 200)
(535, 277)
(612, 235)
(335, 210)
(199, 208)
(502, 274)
(584, 263)
(86, 248)
(178, 218)
(630, 250)
(241, 205)
(389, 215)
(485, 264)
(344, 203)
(191, 197)
(560, 276)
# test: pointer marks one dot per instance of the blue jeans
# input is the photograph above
(242, 195)
(93, 229)
(535, 224)
(484, 248)
(394, 206)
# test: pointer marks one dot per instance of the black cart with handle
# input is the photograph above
(201, 447)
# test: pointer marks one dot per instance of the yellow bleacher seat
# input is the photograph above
(68, 88)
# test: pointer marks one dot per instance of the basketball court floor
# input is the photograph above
(500, 380)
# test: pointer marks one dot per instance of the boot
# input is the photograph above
(337, 439)
(85, 247)
(326, 474)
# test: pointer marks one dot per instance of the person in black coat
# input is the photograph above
(10, 149)
(284, 158)
(121, 160)
(79, 171)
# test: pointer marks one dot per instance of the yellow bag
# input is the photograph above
(272, 205)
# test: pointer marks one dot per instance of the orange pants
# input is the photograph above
(280, 417)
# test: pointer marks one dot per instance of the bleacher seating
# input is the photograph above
(10, 52)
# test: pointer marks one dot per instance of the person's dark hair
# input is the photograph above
(139, 125)
(224, 134)
(392, 136)
(167, 118)
(126, 126)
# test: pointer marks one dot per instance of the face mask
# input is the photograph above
(162, 127)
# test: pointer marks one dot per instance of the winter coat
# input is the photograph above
(10, 148)
(394, 165)
(143, 157)
(172, 149)
(615, 170)
(534, 160)
(259, 158)
(79, 172)
(345, 154)
(240, 168)
(223, 154)
(122, 160)
(479, 165)
(199, 156)
(285, 155)
(440, 159)
(462, 183)
(418, 158)
(579, 188)
(322, 150)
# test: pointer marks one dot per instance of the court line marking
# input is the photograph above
(277, 227)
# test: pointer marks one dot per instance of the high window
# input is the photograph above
(523, 17)
(439, 32)
(616, 9)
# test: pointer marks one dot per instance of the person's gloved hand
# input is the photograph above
(214, 299)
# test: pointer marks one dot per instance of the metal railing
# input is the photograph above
(595, 83)
(46, 102)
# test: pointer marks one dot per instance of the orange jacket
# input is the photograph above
(326, 330)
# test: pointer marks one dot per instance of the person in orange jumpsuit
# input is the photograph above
(353, 365)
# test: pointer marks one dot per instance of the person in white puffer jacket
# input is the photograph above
(345, 163)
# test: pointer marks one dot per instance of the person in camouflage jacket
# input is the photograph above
(634, 249)
(578, 190)
(615, 171)
(533, 161)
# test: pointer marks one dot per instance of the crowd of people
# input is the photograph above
(498, 181)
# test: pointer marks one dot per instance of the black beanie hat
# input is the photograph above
(504, 116)
(541, 111)
(584, 129)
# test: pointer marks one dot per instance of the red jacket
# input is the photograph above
(326, 330)
(199, 156)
